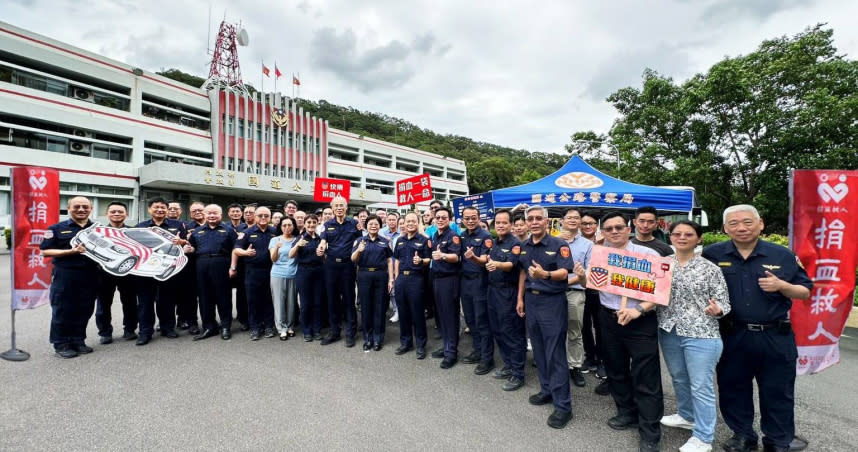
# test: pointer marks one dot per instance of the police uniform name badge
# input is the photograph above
(147, 252)
(644, 277)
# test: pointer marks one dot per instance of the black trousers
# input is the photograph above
(187, 303)
(634, 371)
(591, 330)
(213, 287)
(127, 296)
(73, 293)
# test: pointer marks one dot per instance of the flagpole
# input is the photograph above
(275, 76)
(262, 76)
(13, 354)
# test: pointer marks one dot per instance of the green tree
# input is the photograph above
(491, 173)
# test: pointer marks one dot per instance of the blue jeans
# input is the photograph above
(691, 362)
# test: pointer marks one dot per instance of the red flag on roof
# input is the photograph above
(295, 81)
(277, 73)
(266, 71)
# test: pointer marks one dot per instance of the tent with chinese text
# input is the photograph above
(579, 184)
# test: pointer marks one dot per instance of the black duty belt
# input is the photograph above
(471, 275)
(575, 289)
(761, 326)
(540, 292)
(370, 269)
(340, 260)
(411, 272)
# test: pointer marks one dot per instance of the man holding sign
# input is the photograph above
(630, 336)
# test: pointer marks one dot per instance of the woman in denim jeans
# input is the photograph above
(689, 336)
(283, 278)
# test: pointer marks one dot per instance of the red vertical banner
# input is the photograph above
(824, 236)
(35, 207)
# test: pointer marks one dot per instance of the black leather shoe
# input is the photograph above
(367, 346)
(207, 333)
(539, 399)
(738, 443)
(622, 422)
(471, 358)
(648, 446)
(559, 419)
(243, 327)
(421, 353)
(193, 330)
(66, 353)
(513, 384)
(603, 388)
(502, 374)
(171, 334)
(438, 353)
(798, 444)
(403, 349)
(143, 340)
(773, 448)
(377, 347)
(350, 341)
(225, 334)
(104, 340)
(129, 335)
(254, 335)
(82, 349)
(484, 367)
(577, 377)
(183, 325)
(330, 339)
(448, 363)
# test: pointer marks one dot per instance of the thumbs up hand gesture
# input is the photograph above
(436, 255)
(770, 283)
(491, 265)
(302, 242)
(713, 309)
(250, 251)
(417, 260)
(361, 246)
(536, 271)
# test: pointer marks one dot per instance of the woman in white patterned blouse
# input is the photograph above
(689, 337)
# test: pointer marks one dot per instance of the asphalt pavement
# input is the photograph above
(271, 395)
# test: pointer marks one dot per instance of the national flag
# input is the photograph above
(266, 71)
(295, 81)
(277, 73)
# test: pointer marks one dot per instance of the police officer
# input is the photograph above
(411, 257)
(213, 243)
(630, 335)
(159, 296)
(237, 220)
(252, 249)
(309, 278)
(575, 296)
(759, 343)
(186, 303)
(446, 265)
(476, 243)
(545, 263)
(74, 281)
(372, 254)
(117, 212)
(502, 292)
(337, 239)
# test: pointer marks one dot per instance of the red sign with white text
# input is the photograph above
(327, 189)
(644, 277)
(824, 236)
(413, 190)
(35, 207)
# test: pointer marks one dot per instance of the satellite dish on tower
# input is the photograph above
(243, 38)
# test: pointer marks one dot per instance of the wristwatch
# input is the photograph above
(547, 276)
(641, 309)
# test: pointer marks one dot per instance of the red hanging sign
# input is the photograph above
(413, 190)
(326, 189)
(823, 234)
(35, 207)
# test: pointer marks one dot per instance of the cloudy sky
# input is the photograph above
(524, 75)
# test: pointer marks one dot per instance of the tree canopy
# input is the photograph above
(735, 132)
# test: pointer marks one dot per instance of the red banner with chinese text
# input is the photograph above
(326, 189)
(413, 190)
(35, 207)
(824, 236)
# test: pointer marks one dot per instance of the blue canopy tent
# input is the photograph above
(579, 184)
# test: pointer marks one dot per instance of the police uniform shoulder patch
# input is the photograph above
(516, 250)
(456, 239)
(49, 234)
(564, 251)
(488, 243)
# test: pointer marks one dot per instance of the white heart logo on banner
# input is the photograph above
(38, 183)
(836, 193)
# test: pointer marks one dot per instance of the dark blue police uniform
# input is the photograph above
(309, 280)
(409, 287)
(372, 279)
(74, 284)
(340, 275)
(159, 297)
(213, 246)
(545, 305)
(107, 287)
(758, 341)
(257, 277)
(474, 287)
(445, 285)
(187, 303)
(506, 325)
(237, 282)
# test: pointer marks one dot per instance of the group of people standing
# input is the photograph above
(522, 282)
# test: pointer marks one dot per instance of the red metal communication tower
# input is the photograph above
(225, 70)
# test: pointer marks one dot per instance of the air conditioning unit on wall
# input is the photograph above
(80, 148)
(84, 95)
(82, 133)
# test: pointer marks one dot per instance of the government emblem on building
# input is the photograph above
(280, 117)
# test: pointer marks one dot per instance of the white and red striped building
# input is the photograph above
(117, 132)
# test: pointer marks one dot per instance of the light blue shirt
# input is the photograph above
(285, 266)
(581, 249)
